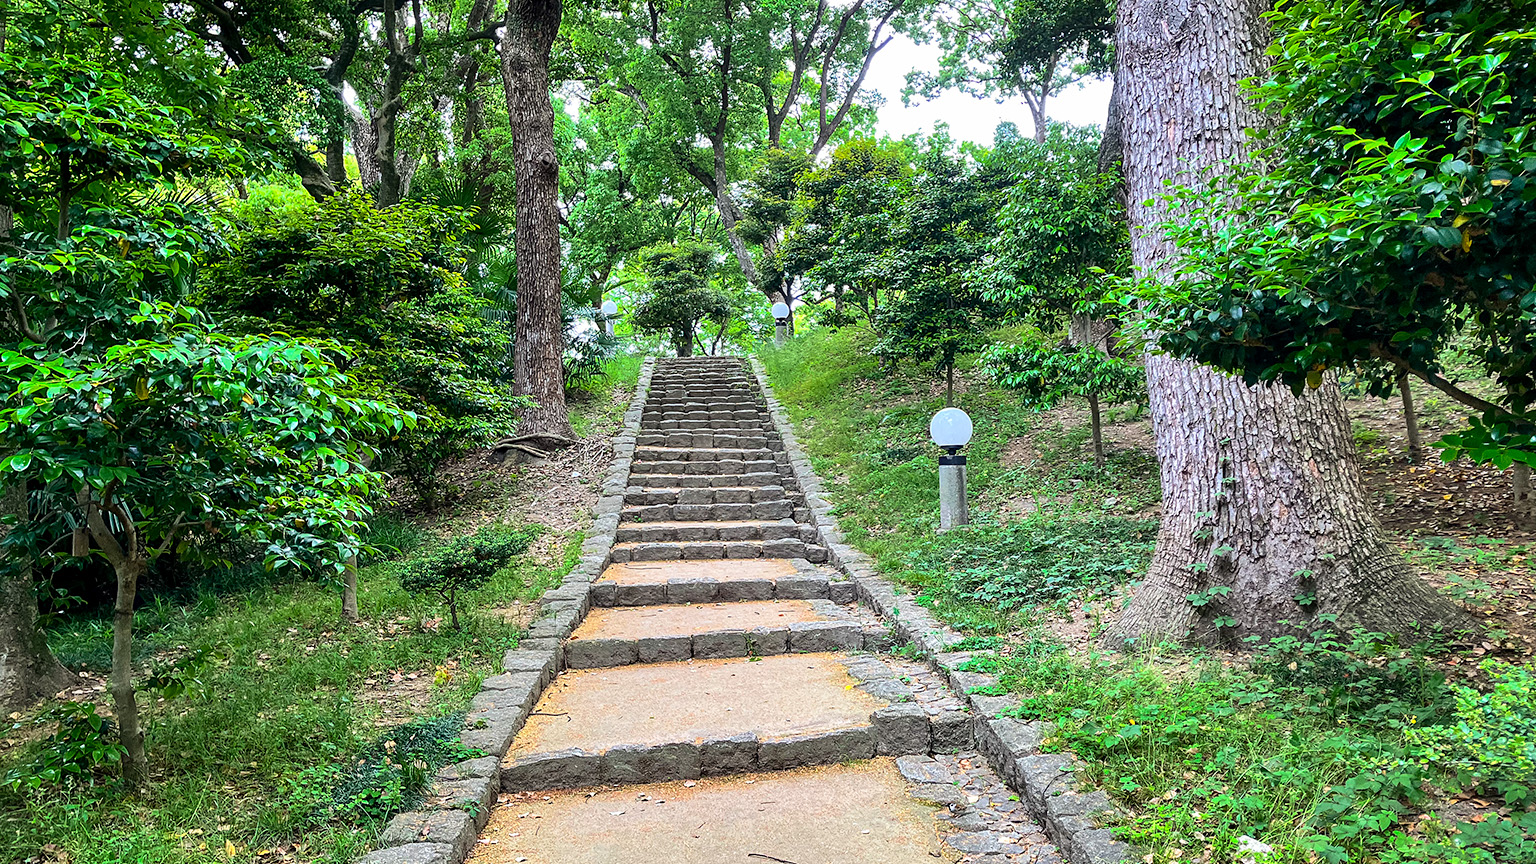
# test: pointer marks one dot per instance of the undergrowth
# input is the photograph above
(1320, 746)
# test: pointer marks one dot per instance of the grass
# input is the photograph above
(296, 736)
(1315, 745)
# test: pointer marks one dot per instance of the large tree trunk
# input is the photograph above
(536, 368)
(1261, 489)
(28, 669)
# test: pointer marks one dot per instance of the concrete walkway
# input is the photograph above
(725, 700)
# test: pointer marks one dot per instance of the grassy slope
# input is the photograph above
(288, 694)
(1304, 751)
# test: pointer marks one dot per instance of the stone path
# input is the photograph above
(724, 699)
(703, 688)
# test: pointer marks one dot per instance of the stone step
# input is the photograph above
(656, 722)
(753, 414)
(735, 440)
(711, 631)
(715, 550)
(719, 531)
(661, 480)
(848, 814)
(651, 583)
(650, 425)
(703, 454)
(766, 510)
(638, 497)
(722, 467)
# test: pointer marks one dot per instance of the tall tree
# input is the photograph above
(529, 36)
(719, 80)
(1033, 49)
(1264, 516)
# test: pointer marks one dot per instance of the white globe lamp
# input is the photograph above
(951, 429)
(610, 308)
(781, 328)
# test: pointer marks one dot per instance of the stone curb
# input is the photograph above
(1046, 782)
(460, 797)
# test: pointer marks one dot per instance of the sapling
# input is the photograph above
(463, 564)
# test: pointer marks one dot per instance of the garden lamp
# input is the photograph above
(951, 429)
(781, 329)
(610, 310)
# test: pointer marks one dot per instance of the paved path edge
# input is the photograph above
(459, 798)
(1047, 783)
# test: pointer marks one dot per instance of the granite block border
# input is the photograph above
(1047, 783)
(459, 798)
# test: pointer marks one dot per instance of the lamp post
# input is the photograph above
(610, 310)
(951, 429)
(781, 329)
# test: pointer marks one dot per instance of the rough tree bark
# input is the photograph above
(1261, 489)
(536, 368)
(28, 669)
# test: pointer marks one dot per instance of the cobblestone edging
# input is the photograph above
(459, 799)
(1046, 782)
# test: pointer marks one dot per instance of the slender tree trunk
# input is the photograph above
(1261, 489)
(1520, 486)
(28, 669)
(1098, 430)
(730, 215)
(1411, 420)
(537, 372)
(349, 592)
(387, 113)
(126, 706)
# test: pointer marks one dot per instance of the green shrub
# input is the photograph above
(464, 563)
(82, 747)
(388, 776)
(1492, 737)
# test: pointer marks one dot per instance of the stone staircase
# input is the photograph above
(720, 696)
(710, 479)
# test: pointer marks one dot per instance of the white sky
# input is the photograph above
(969, 118)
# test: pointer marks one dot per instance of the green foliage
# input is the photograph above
(1034, 48)
(1044, 375)
(680, 294)
(387, 285)
(465, 563)
(386, 777)
(1037, 561)
(80, 750)
(1061, 235)
(1493, 734)
(936, 315)
(1391, 213)
(248, 435)
(842, 227)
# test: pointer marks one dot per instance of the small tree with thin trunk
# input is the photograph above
(162, 442)
(463, 564)
(679, 294)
